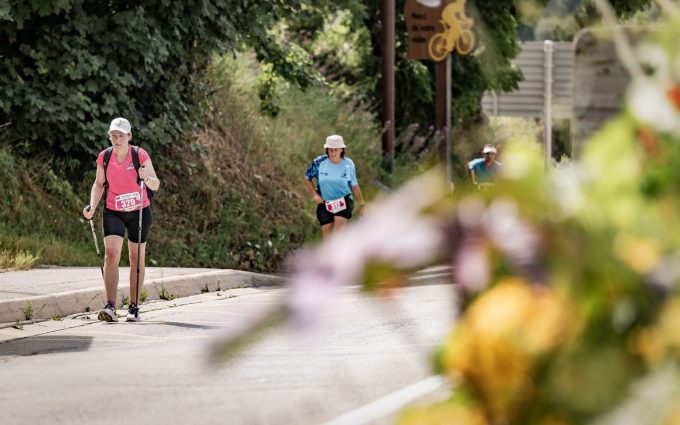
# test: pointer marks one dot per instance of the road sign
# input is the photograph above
(438, 27)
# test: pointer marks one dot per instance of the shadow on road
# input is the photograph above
(177, 324)
(45, 344)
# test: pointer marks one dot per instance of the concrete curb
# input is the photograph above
(431, 275)
(92, 299)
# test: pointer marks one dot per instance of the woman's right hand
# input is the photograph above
(318, 199)
(88, 212)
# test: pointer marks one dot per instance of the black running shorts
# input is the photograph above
(326, 217)
(116, 222)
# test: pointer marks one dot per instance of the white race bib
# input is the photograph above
(336, 205)
(128, 201)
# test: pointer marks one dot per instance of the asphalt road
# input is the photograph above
(81, 371)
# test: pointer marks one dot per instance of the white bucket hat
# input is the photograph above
(120, 124)
(334, 142)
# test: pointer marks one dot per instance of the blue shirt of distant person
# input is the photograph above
(335, 180)
(484, 170)
(336, 186)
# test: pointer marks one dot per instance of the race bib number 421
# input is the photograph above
(336, 205)
(128, 201)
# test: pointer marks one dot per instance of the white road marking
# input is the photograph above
(390, 403)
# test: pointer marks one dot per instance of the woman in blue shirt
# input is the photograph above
(336, 187)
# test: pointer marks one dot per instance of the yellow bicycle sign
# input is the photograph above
(457, 32)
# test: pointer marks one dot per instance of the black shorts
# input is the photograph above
(116, 222)
(326, 217)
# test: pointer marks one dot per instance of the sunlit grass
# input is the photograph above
(21, 260)
(24, 260)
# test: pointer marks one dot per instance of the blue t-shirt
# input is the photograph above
(484, 173)
(332, 180)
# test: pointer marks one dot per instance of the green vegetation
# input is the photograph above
(232, 193)
(115, 59)
(165, 295)
(561, 20)
(28, 311)
(232, 100)
(18, 261)
(143, 296)
(240, 180)
(215, 208)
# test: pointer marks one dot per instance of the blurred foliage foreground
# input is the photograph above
(568, 280)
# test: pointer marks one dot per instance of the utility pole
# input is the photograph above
(388, 41)
(547, 100)
(443, 110)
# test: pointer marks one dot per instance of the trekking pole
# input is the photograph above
(96, 245)
(139, 237)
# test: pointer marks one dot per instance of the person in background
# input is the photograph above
(483, 170)
(121, 213)
(336, 189)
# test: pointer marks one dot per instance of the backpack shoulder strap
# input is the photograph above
(135, 157)
(135, 160)
(107, 158)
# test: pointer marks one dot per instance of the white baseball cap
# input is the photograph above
(489, 149)
(334, 142)
(120, 124)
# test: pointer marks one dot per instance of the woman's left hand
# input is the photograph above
(144, 174)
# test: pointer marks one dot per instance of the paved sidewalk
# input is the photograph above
(50, 292)
(46, 293)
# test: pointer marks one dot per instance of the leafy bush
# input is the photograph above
(68, 67)
(97, 71)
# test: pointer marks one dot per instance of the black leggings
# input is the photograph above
(116, 222)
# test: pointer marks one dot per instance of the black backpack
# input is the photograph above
(135, 161)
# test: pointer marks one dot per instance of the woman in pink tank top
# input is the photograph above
(120, 180)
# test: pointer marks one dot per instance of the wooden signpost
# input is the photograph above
(388, 17)
(435, 29)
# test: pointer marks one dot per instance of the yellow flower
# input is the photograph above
(673, 418)
(646, 343)
(669, 324)
(502, 335)
(641, 254)
(662, 340)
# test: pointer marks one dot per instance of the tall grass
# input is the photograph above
(39, 215)
(232, 194)
(305, 119)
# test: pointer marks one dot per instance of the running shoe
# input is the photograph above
(108, 313)
(133, 314)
